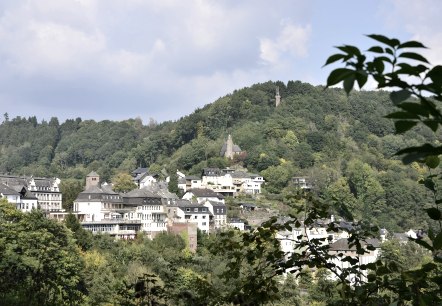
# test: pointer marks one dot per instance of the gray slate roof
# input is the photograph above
(205, 193)
(342, 244)
(6, 190)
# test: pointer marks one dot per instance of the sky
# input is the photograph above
(121, 59)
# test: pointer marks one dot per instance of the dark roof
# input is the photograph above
(43, 182)
(248, 205)
(342, 244)
(182, 202)
(93, 190)
(192, 177)
(108, 189)
(139, 170)
(211, 172)
(200, 209)
(205, 193)
(96, 193)
(217, 204)
(141, 193)
(29, 195)
(6, 190)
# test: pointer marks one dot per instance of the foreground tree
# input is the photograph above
(40, 263)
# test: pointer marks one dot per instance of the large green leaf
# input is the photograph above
(435, 75)
(400, 96)
(338, 75)
(434, 213)
(414, 56)
(437, 242)
(385, 40)
(404, 125)
(412, 154)
(411, 44)
(334, 58)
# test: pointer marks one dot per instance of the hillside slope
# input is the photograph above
(344, 144)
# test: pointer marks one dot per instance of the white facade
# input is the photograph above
(203, 195)
(91, 210)
(219, 213)
(237, 223)
(43, 193)
(194, 213)
(152, 217)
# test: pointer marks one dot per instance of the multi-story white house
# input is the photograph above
(188, 182)
(183, 211)
(201, 195)
(219, 213)
(100, 209)
(228, 182)
(147, 207)
(43, 193)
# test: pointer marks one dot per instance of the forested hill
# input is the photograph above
(343, 143)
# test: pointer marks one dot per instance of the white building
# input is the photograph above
(219, 213)
(148, 208)
(183, 211)
(237, 223)
(143, 178)
(342, 247)
(202, 195)
(43, 193)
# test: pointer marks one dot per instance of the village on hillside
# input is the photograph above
(150, 208)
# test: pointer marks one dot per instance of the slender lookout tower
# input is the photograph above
(277, 97)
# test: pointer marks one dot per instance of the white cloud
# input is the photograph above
(422, 20)
(292, 40)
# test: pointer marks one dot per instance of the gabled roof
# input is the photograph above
(205, 193)
(139, 170)
(93, 190)
(141, 193)
(216, 204)
(342, 244)
(211, 172)
(93, 173)
(6, 190)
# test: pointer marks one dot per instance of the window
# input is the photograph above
(204, 223)
(204, 217)
(187, 209)
(195, 209)
(195, 217)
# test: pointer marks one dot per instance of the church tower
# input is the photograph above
(92, 179)
(229, 149)
(277, 97)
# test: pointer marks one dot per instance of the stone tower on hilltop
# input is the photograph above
(230, 149)
(92, 179)
(277, 97)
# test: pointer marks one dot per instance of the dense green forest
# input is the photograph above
(343, 143)
(51, 263)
